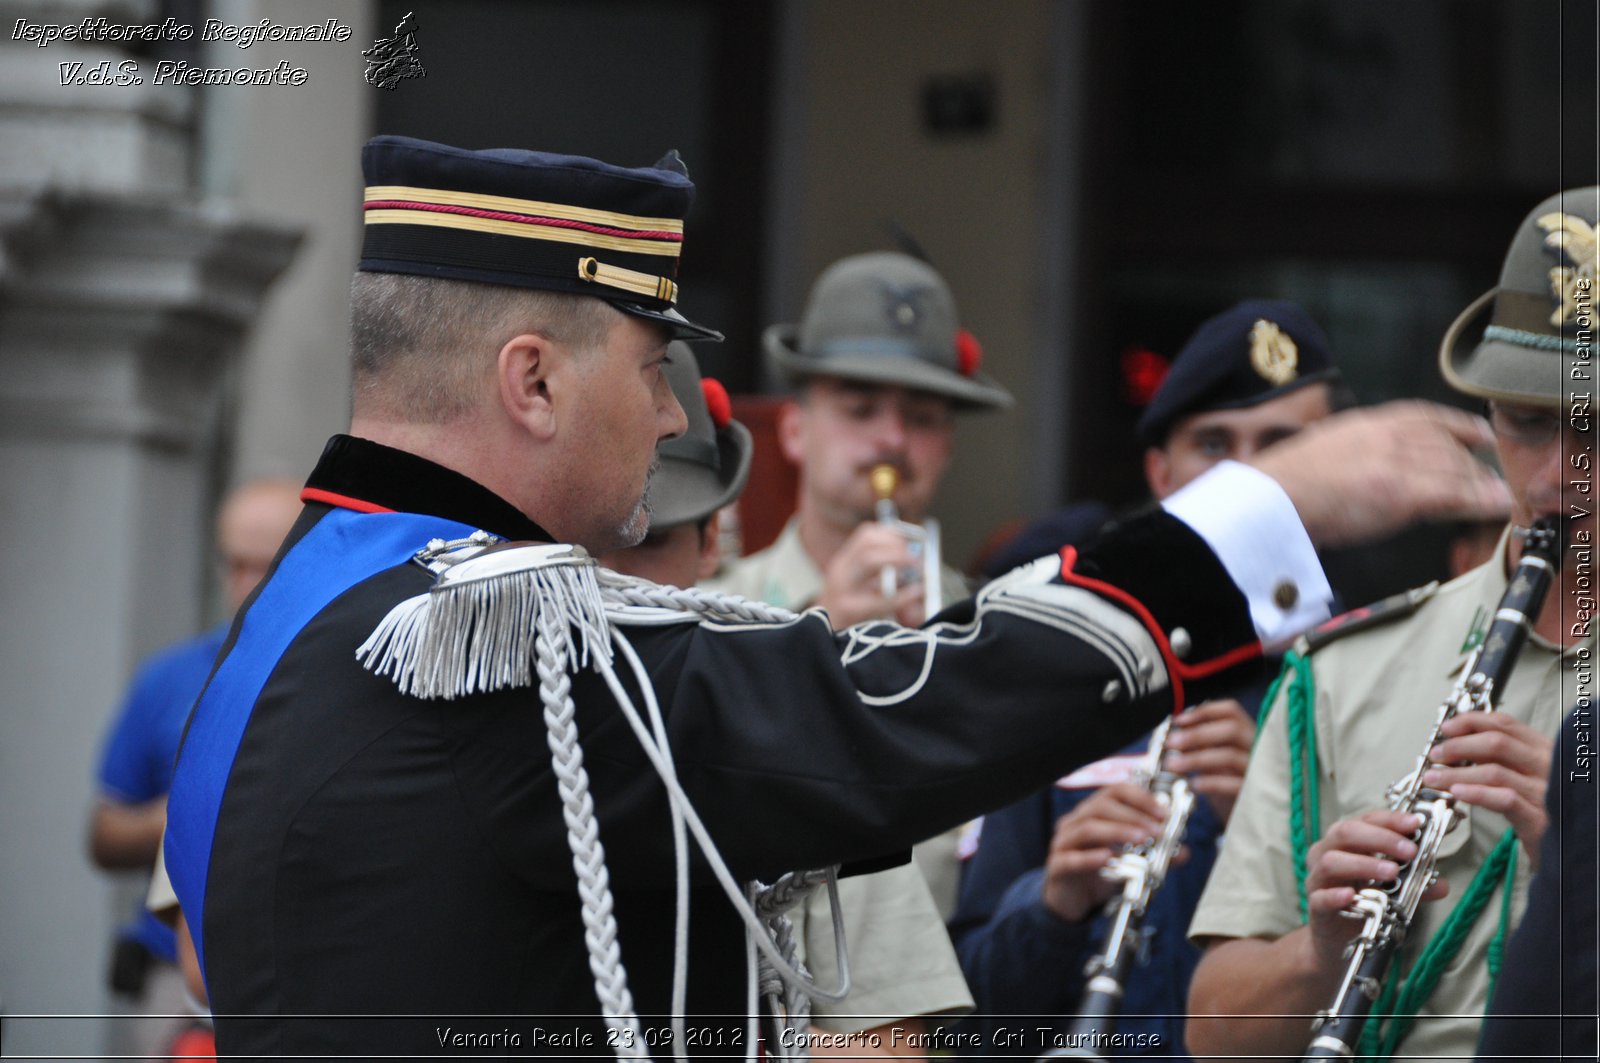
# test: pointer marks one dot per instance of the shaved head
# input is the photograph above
(422, 349)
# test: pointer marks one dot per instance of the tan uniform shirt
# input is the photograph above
(1378, 693)
(161, 899)
(901, 961)
(784, 575)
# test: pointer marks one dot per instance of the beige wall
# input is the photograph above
(971, 201)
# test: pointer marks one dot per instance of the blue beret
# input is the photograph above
(1071, 525)
(1251, 353)
(532, 220)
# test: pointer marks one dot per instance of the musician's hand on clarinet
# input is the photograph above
(1351, 855)
(1365, 473)
(1210, 743)
(852, 584)
(1124, 813)
(1504, 766)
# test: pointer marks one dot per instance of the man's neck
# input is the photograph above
(820, 538)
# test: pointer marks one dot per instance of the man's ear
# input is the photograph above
(524, 372)
(792, 432)
(1157, 472)
(710, 554)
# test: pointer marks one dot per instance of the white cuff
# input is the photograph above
(1252, 527)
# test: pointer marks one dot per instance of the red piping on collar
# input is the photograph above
(317, 494)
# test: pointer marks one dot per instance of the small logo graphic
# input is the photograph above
(1476, 632)
(1272, 354)
(391, 60)
(1575, 238)
(904, 306)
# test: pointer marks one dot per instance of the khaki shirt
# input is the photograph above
(1378, 693)
(901, 960)
(784, 575)
(161, 899)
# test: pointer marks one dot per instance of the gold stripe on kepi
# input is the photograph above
(628, 280)
(565, 211)
(526, 229)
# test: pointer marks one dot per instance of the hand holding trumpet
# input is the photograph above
(853, 585)
(884, 568)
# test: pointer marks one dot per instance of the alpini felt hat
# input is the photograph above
(1252, 352)
(885, 318)
(705, 468)
(529, 219)
(1539, 336)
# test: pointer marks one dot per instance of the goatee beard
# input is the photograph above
(637, 524)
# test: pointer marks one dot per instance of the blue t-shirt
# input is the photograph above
(143, 745)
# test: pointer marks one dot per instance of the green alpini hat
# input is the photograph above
(1540, 333)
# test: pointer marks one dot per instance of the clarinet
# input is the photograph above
(1141, 869)
(1386, 911)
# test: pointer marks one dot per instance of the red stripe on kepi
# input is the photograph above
(317, 494)
(528, 219)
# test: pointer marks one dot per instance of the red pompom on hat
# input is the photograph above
(969, 353)
(717, 402)
(1143, 371)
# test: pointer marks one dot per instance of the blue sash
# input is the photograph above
(342, 550)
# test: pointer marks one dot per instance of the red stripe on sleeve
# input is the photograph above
(1176, 669)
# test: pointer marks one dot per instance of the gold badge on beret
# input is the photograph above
(1574, 237)
(1273, 354)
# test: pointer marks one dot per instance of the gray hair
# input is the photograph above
(422, 348)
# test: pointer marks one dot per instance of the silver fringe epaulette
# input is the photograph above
(473, 631)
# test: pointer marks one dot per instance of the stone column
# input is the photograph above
(123, 303)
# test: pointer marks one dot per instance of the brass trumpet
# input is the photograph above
(922, 539)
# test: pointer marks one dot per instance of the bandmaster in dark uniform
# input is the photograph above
(360, 836)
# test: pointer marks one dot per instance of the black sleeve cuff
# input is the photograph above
(1163, 564)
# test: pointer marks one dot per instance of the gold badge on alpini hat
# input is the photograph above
(1574, 237)
(1273, 354)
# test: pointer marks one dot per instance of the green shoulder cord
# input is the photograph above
(1409, 991)
(1403, 993)
(1300, 698)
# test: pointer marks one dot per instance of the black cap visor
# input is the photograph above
(680, 327)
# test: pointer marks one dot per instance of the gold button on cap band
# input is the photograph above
(590, 269)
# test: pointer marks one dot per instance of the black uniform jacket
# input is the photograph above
(368, 873)
(1547, 997)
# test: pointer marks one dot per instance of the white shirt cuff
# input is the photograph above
(1250, 524)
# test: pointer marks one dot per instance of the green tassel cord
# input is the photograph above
(1404, 992)
(1300, 699)
(1387, 1027)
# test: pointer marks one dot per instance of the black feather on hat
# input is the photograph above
(885, 318)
